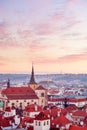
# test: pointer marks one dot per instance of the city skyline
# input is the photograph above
(51, 33)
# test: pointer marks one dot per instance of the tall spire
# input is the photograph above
(32, 79)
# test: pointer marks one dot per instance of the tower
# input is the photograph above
(32, 84)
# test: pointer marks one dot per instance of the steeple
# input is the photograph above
(32, 79)
(8, 83)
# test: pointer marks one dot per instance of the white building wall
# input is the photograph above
(41, 125)
(24, 102)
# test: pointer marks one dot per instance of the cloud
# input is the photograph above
(3, 30)
(71, 3)
(25, 33)
(36, 46)
(45, 28)
(64, 59)
(73, 58)
(57, 23)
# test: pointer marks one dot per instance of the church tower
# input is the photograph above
(32, 84)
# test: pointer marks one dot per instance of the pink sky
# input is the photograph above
(50, 33)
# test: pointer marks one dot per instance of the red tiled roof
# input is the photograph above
(18, 90)
(54, 111)
(31, 108)
(47, 112)
(73, 127)
(41, 116)
(69, 100)
(8, 109)
(30, 128)
(79, 113)
(20, 93)
(4, 122)
(27, 120)
(72, 108)
(14, 97)
(61, 120)
(40, 88)
(64, 111)
(77, 100)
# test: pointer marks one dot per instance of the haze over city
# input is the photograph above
(50, 33)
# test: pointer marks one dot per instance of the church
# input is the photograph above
(23, 96)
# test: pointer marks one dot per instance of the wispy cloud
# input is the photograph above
(71, 3)
(73, 58)
(64, 59)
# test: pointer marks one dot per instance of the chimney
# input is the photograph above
(35, 107)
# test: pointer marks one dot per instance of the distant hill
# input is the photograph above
(47, 79)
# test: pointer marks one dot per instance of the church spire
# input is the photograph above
(32, 79)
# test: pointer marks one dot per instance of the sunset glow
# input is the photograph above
(50, 33)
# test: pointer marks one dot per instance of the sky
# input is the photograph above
(50, 33)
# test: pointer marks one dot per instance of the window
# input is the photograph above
(36, 122)
(28, 114)
(39, 123)
(31, 100)
(8, 101)
(28, 103)
(12, 104)
(44, 123)
(47, 122)
(42, 100)
(42, 94)
(24, 113)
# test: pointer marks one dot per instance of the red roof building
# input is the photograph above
(20, 95)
